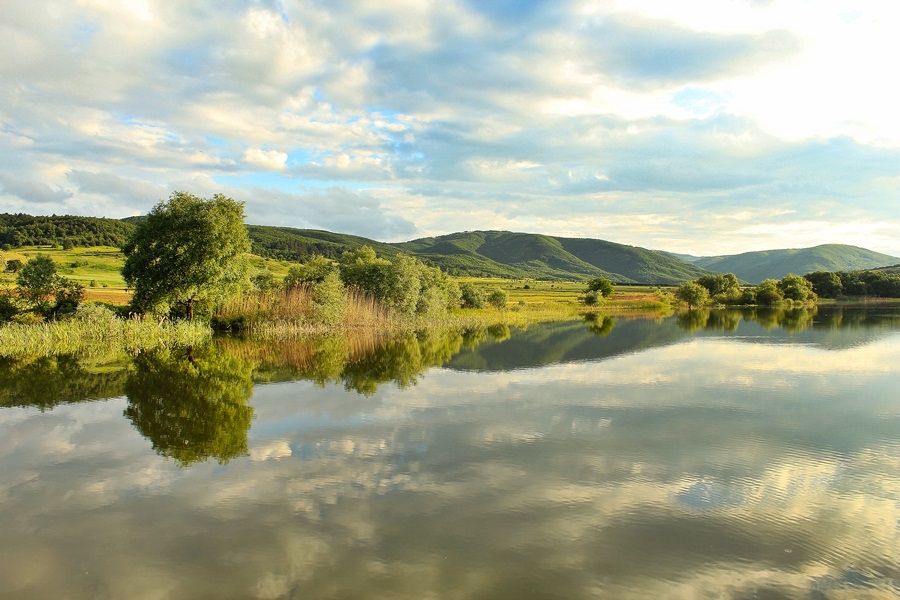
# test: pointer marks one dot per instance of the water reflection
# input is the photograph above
(50, 381)
(734, 461)
(191, 404)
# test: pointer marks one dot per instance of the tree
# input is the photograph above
(693, 294)
(723, 287)
(187, 250)
(13, 266)
(192, 407)
(37, 280)
(315, 270)
(794, 287)
(471, 296)
(825, 283)
(497, 298)
(600, 285)
(768, 293)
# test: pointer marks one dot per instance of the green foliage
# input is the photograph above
(825, 283)
(188, 249)
(13, 266)
(497, 298)
(69, 295)
(590, 299)
(9, 306)
(471, 296)
(600, 285)
(26, 230)
(329, 300)
(768, 293)
(796, 288)
(37, 280)
(725, 285)
(192, 405)
(402, 282)
(263, 281)
(693, 294)
(316, 269)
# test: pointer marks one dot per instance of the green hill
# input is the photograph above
(753, 267)
(520, 255)
(61, 230)
(501, 254)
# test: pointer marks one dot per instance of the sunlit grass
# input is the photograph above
(98, 331)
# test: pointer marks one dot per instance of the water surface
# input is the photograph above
(710, 455)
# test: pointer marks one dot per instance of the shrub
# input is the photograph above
(471, 296)
(329, 300)
(9, 308)
(497, 298)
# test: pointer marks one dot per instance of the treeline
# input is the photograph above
(726, 289)
(878, 283)
(65, 231)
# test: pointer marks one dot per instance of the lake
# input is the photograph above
(717, 454)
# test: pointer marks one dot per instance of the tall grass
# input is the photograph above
(290, 313)
(95, 331)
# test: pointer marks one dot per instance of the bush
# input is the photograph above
(497, 298)
(471, 296)
(329, 300)
(9, 308)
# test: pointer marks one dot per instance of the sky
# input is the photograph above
(704, 127)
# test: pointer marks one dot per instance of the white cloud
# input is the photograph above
(552, 117)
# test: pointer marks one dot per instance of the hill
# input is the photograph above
(753, 267)
(501, 254)
(25, 230)
(524, 255)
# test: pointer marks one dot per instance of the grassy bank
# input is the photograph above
(97, 331)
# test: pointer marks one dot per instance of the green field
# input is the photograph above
(99, 269)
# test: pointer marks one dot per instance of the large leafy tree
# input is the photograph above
(601, 286)
(37, 279)
(188, 249)
(693, 294)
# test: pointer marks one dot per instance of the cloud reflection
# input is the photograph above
(569, 479)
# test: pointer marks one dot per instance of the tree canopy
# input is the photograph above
(693, 294)
(600, 285)
(188, 249)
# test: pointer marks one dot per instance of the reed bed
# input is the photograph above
(97, 331)
(291, 313)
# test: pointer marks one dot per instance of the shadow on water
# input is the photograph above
(194, 405)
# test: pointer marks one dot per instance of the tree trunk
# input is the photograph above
(190, 308)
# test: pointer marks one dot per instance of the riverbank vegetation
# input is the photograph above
(189, 257)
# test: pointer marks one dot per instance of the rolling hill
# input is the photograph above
(524, 255)
(503, 254)
(753, 267)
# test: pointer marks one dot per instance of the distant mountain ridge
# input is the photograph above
(503, 254)
(753, 267)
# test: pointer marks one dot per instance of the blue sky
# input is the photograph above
(704, 127)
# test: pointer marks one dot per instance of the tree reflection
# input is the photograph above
(192, 405)
(52, 380)
(793, 320)
(598, 324)
(401, 361)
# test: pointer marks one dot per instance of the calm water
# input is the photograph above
(719, 455)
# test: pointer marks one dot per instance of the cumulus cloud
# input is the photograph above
(515, 111)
